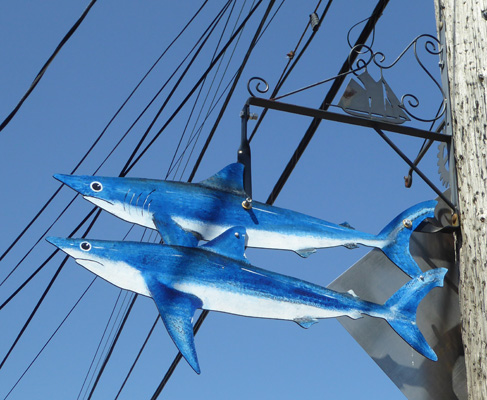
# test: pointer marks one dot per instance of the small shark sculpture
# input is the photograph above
(184, 213)
(218, 277)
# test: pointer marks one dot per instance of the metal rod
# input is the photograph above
(416, 169)
(332, 92)
(244, 156)
(348, 119)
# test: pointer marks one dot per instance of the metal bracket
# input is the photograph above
(244, 155)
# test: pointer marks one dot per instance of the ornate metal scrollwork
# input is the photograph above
(258, 81)
(375, 99)
(432, 47)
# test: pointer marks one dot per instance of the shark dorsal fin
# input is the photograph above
(229, 179)
(230, 243)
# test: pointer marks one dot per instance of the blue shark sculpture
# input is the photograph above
(184, 213)
(218, 277)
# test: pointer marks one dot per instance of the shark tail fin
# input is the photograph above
(398, 232)
(402, 307)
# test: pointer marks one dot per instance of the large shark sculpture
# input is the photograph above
(218, 277)
(184, 213)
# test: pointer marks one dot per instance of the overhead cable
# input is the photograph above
(51, 282)
(204, 313)
(368, 28)
(46, 65)
(191, 92)
(104, 131)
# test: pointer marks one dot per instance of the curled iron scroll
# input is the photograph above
(258, 82)
(408, 101)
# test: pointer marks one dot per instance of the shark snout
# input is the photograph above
(85, 185)
(76, 183)
(57, 241)
(65, 244)
(63, 178)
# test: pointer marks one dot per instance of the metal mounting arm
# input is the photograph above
(244, 156)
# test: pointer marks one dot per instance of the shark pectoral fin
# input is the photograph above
(305, 252)
(229, 179)
(173, 234)
(306, 322)
(351, 246)
(177, 310)
(230, 243)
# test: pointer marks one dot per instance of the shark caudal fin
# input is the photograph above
(402, 307)
(398, 232)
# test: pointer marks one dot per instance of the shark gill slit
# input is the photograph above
(137, 201)
(145, 201)
(125, 199)
(130, 204)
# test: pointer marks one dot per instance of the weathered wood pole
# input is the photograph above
(465, 26)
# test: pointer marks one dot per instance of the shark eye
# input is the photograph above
(85, 246)
(96, 186)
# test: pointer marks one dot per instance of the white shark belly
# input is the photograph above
(252, 306)
(127, 212)
(270, 239)
(119, 274)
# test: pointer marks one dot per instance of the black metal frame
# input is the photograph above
(378, 126)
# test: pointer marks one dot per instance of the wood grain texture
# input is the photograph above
(465, 24)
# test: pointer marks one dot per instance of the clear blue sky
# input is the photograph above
(347, 174)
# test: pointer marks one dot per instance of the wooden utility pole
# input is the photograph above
(465, 27)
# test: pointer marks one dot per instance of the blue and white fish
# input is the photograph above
(184, 213)
(218, 277)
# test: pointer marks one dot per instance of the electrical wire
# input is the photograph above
(208, 34)
(99, 344)
(51, 282)
(112, 347)
(50, 338)
(375, 16)
(104, 130)
(291, 64)
(195, 136)
(204, 314)
(188, 96)
(202, 86)
(137, 358)
(46, 65)
(232, 89)
(368, 28)
(42, 298)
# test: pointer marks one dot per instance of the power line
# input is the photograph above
(107, 358)
(208, 34)
(202, 86)
(46, 65)
(100, 343)
(204, 313)
(368, 28)
(51, 282)
(103, 132)
(370, 25)
(50, 337)
(232, 89)
(291, 64)
(188, 96)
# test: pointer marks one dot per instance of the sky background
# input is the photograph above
(347, 174)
